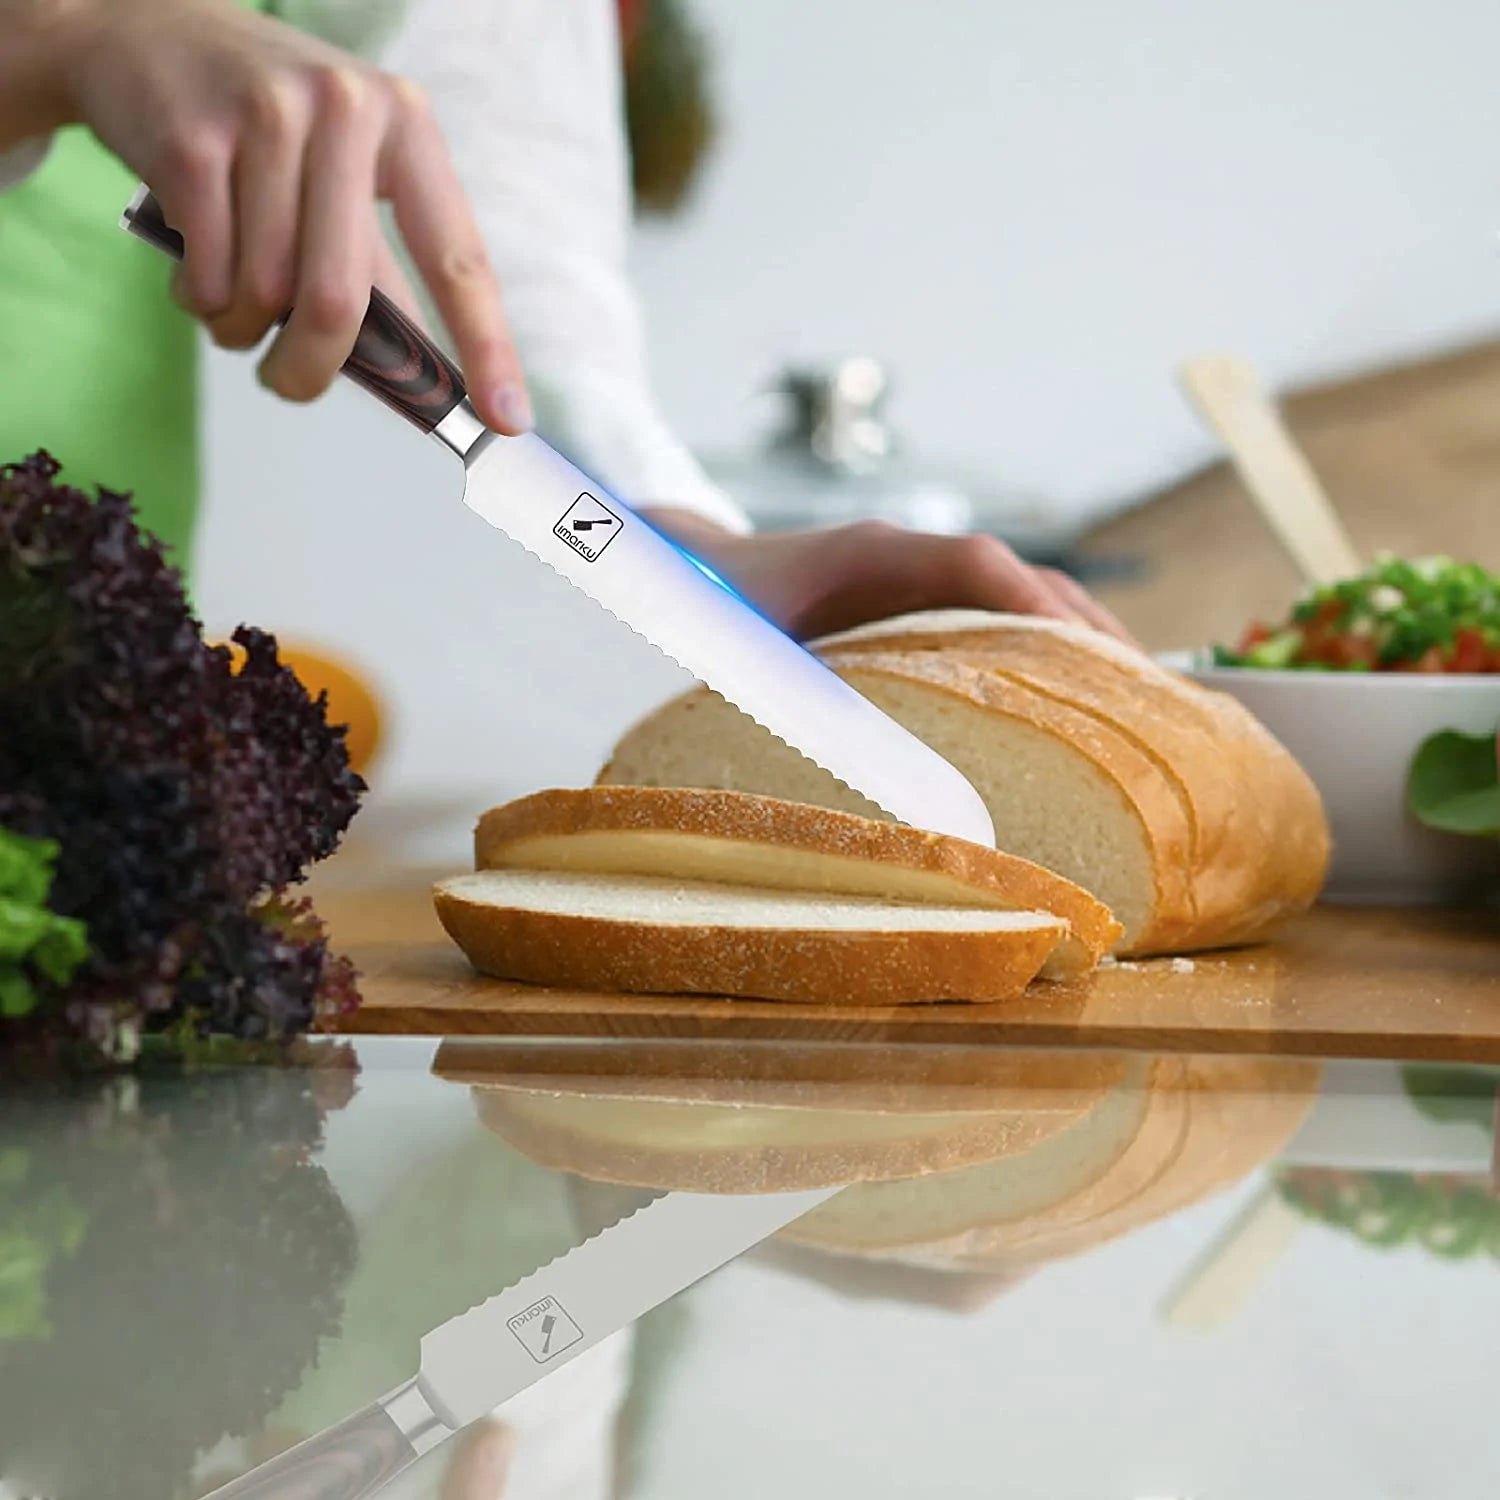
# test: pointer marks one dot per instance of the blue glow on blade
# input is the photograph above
(708, 572)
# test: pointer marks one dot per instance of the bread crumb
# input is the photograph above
(1183, 966)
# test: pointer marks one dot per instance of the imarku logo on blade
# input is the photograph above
(545, 1329)
(588, 527)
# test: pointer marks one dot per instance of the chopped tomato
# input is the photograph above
(1469, 651)
(1357, 651)
(1322, 644)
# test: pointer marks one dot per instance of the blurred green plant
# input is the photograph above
(1453, 1096)
(1454, 784)
(35, 943)
(172, 1256)
(1451, 1216)
(38, 1223)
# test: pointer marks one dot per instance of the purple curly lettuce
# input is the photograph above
(180, 791)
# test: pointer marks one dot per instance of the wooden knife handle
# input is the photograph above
(392, 359)
(350, 1461)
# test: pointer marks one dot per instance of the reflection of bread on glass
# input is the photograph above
(1105, 1155)
(715, 1117)
(984, 1163)
(1233, 1114)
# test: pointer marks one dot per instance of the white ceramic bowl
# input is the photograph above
(1355, 734)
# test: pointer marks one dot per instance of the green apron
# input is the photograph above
(97, 364)
(100, 366)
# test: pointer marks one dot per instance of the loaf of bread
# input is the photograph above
(737, 839)
(637, 933)
(1170, 803)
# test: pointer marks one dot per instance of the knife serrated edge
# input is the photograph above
(666, 655)
(602, 1285)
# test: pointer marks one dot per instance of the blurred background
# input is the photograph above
(1015, 221)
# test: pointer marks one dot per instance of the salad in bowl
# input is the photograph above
(1432, 615)
(1386, 687)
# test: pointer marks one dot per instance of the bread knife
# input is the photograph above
(478, 1360)
(529, 491)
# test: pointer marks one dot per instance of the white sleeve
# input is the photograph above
(529, 94)
(17, 163)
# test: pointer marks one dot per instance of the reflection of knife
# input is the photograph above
(480, 1359)
(527, 490)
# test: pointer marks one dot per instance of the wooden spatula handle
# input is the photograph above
(351, 1461)
(392, 359)
(1272, 467)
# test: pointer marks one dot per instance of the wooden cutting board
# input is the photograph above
(1341, 982)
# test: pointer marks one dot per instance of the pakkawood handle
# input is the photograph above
(392, 359)
(353, 1460)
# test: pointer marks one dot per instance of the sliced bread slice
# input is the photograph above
(737, 838)
(641, 934)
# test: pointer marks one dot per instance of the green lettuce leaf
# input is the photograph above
(35, 943)
(1454, 785)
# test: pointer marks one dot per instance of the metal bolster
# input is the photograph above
(461, 429)
(409, 1409)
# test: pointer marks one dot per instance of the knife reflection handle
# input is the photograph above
(353, 1459)
(392, 359)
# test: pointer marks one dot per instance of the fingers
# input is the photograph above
(336, 249)
(267, 194)
(196, 200)
(480, 1463)
(981, 572)
(1092, 611)
(271, 152)
(823, 582)
(988, 575)
(435, 220)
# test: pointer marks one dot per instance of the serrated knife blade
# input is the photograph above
(529, 491)
(477, 1361)
(526, 489)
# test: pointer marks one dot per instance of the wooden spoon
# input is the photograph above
(1275, 471)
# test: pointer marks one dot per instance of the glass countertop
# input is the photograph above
(1090, 1274)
